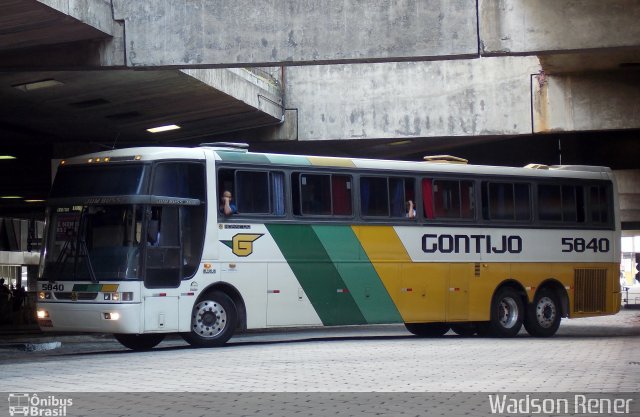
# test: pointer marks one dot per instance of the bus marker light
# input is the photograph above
(406, 289)
(42, 314)
(115, 296)
(342, 290)
(162, 294)
(454, 289)
(273, 292)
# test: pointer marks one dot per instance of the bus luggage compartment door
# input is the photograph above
(160, 314)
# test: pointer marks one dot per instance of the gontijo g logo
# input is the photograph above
(32, 405)
(242, 243)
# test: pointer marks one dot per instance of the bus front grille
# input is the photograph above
(590, 290)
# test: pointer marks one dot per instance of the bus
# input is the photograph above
(212, 240)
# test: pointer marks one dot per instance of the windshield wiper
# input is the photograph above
(84, 251)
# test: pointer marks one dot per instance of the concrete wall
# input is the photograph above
(234, 33)
(411, 99)
(529, 26)
(597, 101)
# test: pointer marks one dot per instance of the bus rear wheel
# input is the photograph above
(213, 320)
(427, 329)
(543, 315)
(139, 341)
(507, 314)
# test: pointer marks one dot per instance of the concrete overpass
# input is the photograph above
(407, 76)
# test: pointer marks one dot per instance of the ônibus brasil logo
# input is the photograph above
(33, 405)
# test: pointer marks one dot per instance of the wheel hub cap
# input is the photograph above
(546, 312)
(209, 319)
(508, 313)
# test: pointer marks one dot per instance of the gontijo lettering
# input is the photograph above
(432, 243)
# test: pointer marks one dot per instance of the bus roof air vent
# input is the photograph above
(537, 166)
(445, 159)
(226, 146)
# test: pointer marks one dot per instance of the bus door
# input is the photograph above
(163, 267)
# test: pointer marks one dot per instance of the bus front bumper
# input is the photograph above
(90, 317)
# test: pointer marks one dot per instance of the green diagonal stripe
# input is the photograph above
(317, 274)
(366, 288)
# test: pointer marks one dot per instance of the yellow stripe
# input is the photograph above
(110, 288)
(331, 162)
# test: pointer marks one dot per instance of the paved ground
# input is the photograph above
(587, 355)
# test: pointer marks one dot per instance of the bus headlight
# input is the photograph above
(112, 316)
(43, 295)
(42, 314)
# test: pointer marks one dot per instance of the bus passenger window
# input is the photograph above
(252, 192)
(561, 203)
(505, 201)
(453, 199)
(549, 202)
(315, 191)
(341, 195)
(427, 198)
(374, 197)
(598, 204)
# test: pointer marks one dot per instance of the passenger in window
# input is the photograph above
(226, 206)
(411, 210)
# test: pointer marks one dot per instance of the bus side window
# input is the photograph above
(598, 204)
(341, 195)
(374, 196)
(315, 194)
(427, 198)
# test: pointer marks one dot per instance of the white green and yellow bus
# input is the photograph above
(139, 245)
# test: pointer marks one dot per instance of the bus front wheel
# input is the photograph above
(139, 341)
(213, 320)
(507, 314)
(543, 315)
(427, 329)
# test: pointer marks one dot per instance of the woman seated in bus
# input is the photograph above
(411, 210)
(226, 206)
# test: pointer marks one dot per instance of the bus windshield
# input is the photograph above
(108, 180)
(93, 243)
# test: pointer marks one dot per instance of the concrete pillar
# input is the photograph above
(629, 196)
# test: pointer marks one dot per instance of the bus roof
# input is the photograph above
(239, 155)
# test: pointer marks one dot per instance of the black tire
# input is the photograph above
(427, 329)
(213, 320)
(465, 329)
(139, 341)
(507, 313)
(544, 314)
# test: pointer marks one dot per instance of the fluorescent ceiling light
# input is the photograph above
(163, 128)
(402, 142)
(38, 85)
(34, 201)
(6, 157)
(11, 197)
